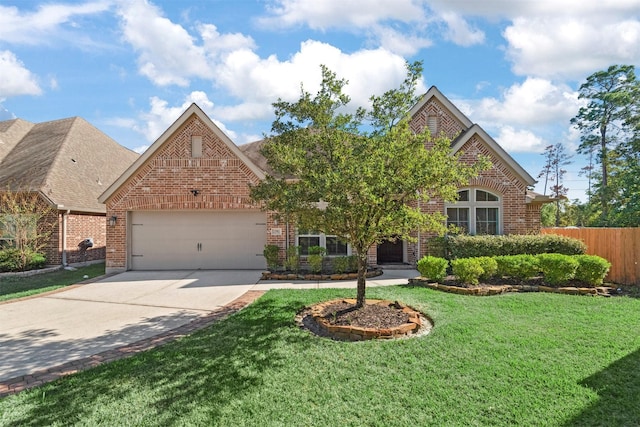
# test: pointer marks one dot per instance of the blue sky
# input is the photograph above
(131, 67)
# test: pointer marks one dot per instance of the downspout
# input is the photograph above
(419, 242)
(64, 237)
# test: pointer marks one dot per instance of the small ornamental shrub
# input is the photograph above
(557, 268)
(467, 270)
(292, 262)
(271, 254)
(489, 267)
(340, 264)
(592, 269)
(353, 263)
(433, 268)
(521, 267)
(12, 259)
(315, 258)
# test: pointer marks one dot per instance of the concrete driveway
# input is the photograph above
(50, 330)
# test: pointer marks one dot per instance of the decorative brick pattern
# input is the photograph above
(165, 182)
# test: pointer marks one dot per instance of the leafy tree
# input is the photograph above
(358, 175)
(25, 223)
(604, 123)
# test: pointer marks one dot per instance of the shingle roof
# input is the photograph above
(69, 161)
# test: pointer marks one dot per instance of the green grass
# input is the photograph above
(531, 359)
(12, 287)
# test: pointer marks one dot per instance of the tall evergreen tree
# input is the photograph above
(604, 124)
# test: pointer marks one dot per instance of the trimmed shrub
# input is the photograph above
(271, 254)
(340, 264)
(292, 262)
(592, 269)
(16, 260)
(467, 270)
(474, 246)
(557, 268)
(434, 268)
(489, 267)
(315, 258)
(353, 263)
(521, 267)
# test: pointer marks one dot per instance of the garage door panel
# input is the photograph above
(190, 240)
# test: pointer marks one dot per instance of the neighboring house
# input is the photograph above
(184, 204)
(68, 163)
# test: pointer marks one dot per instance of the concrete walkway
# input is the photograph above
(56, 334)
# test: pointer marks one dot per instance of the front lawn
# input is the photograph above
(531, 359)
(12, 287)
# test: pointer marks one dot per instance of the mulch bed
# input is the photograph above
(368, 316)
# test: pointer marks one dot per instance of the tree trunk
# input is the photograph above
(362, 277)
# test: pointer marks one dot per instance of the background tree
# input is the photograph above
(555, 158)
(604, 123)
(358, 175)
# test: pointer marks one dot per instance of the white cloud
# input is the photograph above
(534, 102)
(569, 48)
(167, 52)
(460, 32)
(15, 79)
(327, 14)
(47, 22)
(161, 115)
(519, 141)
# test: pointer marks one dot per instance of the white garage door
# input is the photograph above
(175, 240)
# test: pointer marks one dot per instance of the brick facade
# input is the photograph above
(166, 179)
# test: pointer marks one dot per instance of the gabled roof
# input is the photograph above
(465, 136)
(68, 161)
(188, 113)
(471, 129)
(434, 92)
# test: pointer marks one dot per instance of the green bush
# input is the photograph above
(557, 268)
(353, 263)
(521, 267)
(292, 262)
(434, 268)
(340, 264)
(272, 255)
(16, 260)
(474, 246)
(467, 270)
(315, 258)
(489, 267)
(592, 269)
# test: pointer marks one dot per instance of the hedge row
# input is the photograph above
(463, 246)
(556, 269)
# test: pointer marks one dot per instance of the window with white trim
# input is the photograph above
(333, 244)
(476, 212)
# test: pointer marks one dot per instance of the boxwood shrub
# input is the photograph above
(467, 270)
(592, 269)
(489, 267)
(520, 267)
(557, 268)
(464, 246)
(434, 268)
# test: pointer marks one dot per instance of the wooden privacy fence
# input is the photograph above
(620, 246)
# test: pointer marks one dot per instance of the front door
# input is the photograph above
(390, 252)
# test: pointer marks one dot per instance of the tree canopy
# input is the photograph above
(359, 175)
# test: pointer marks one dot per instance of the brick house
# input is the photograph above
(184, 204)
(68, 163)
